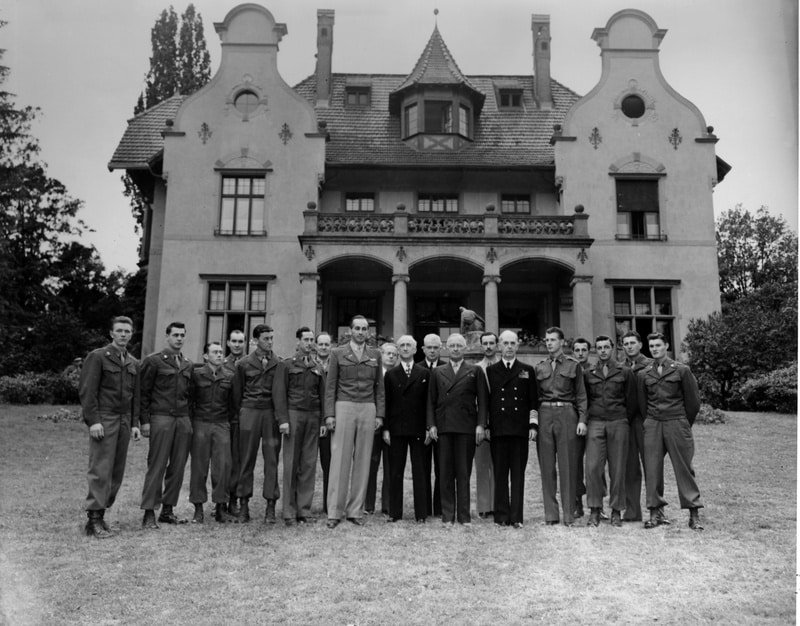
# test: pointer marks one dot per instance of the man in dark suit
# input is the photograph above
(406, 388)
(432, 346)
(513, 421)
(456, 413)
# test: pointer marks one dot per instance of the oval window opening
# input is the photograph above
(633, 106)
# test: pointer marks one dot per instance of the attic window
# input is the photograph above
(510, 98)
(358, 96)
(246, 102)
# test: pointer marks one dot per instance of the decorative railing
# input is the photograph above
(466, 225)
(355, 224)
(550, 225)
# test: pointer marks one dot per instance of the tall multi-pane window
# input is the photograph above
(463, 120)
(637, 209)
(645, 309)
(438, 116)
(411, 120)
(359, 201)
(234, 305)
(515, 203)
(437, 203)
(242, 206)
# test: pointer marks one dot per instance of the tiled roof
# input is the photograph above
(436, 66)
(506, 138)
(142, 142)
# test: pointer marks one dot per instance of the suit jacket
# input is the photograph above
(354, 380)
(513, 394)
(457, 403)
(406, 400)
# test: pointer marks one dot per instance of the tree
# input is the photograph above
(194, 62)
(163, 78)
(753, 251)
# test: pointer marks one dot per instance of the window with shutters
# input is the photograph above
(638, 210)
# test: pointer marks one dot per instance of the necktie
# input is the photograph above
(508, 365)
(553, 364)
(660, 369)
(178, 360)
(122, 356)
(605, 371)
(264, 362)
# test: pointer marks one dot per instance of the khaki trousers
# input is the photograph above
(351, 447)
(558, 444)
(673, 437)
(107, 461)
(170, 442)
(300, 463)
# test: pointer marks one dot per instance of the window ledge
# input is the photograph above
(619, 237)
(226, 233)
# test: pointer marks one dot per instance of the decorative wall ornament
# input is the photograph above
(310, 254)
(491, 255)
(675, 138)
(582, 255)
(285, 134)
(204, 133)
(401, 254)
(594, 138)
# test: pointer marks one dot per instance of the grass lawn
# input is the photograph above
(740, 570)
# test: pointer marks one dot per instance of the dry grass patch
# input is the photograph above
(740, 570)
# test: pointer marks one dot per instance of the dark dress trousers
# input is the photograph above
(635, 460)
(457, 403)
(406, 405)
(512, 396)
(433, 495)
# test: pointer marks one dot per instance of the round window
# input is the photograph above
(246, 102)
(633, 106)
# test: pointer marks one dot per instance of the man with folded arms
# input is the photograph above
(109, 393)
(611, 392)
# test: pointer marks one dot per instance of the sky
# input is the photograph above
(83, 63)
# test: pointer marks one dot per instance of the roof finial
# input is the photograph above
(435, 18)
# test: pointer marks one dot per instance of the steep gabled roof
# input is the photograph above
(142, 142)
(436, 66)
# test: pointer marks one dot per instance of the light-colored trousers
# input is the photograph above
(351, 447)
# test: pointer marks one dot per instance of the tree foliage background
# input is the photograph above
(755, 333)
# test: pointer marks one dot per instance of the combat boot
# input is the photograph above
(616, 518)
(198, 514)
(594, 517)
(233, 506)
(94, 527)
(244, 511)
(269, 515)
(149, 520)
(168, 516)
(103, 522)
(694, 519)
(220, 513)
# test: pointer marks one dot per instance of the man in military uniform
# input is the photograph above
(484, 471)
(580, 350)
(562, 419)
(670, 401)
(212, 414)
(300, 385)
(166, 382)
(323, 359)
(253, 402)
(354, 410)
(513, 422)
(611, 392)
(109, 393)
(236, 344)
(636, 361)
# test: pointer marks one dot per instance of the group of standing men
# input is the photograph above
(354, 404)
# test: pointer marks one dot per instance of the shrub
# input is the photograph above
(709, 415)
(32, 388)
(61, 414)
(775, 391)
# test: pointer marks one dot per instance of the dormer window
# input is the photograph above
(438, 116)
(510, 98)
(358, 96)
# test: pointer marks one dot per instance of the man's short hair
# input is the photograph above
(632, 333)
(487, 334)
(260, 329)
(301, 330)
(655, 336)
(388, 343)
(211, 343)
(407, 339)
(600, 338)
(432, 337)
(172, 325)
(323, 334)
(458, 337)
(120, 319)
(581, 340)
(555, 330)
(510, 332)
(234, 331)
(358, 317)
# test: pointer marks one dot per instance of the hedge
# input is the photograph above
(775, 391)
(45, 388)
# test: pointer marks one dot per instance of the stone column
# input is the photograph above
(491, 312)
(308, 299)
(582, 306)
(400, 313)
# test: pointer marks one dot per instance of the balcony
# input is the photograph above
(403, 227)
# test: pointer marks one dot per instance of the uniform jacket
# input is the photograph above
(611, 397)
(354, 380)
(230, 363)
(638, 364)
(253, 381)
(212, 397)
(512, 396)
(457, 402)
(562, 384)
(301, 387)
(109, 385)
(673, 394)
(166, 386)
(406, 400)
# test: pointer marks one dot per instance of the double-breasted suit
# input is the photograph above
(406, 406)
(513, 413)
(457, 405)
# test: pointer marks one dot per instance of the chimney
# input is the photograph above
(540, 25)
(324, 55)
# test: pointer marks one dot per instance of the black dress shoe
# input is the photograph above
(168, 517)
(551, 522)
(94, 527)
(594, 518)
(616, 520)
(517, 525)
(198, 514)
(333, 523)
(356, 520)
(149, 520)
(392, 520)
